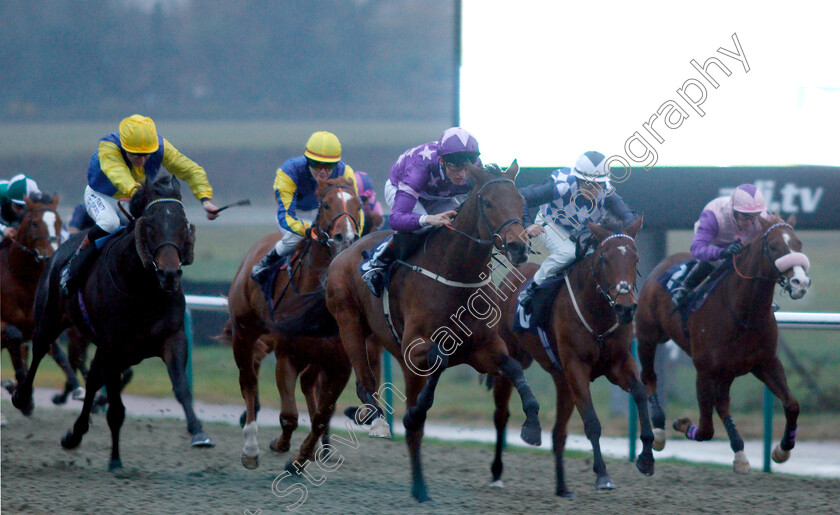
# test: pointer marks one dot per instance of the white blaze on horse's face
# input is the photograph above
(794, 265)
(50, 219)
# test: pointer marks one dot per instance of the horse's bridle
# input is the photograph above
(317, 232)
(622, 286)
(504, 226)
(35, 253)
(782, 280)
(165, 242)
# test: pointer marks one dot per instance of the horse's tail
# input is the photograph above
(308, 315)
(226, 336)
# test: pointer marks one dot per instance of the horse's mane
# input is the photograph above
(612, 224)
(164, 186)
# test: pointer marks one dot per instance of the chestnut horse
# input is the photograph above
(252, 318)
(445, 285)
(131, 306)
(732, 334)
(22, 260)
(591, 335)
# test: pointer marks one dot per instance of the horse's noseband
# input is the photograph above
(165, 242)
(621, 287)
(500, 231)
(324, 236)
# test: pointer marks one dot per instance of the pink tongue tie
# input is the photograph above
(792, 259)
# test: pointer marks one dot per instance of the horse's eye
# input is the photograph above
(326, 205)
(488, 205)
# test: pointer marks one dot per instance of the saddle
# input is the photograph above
(267, 285)
(695, 299)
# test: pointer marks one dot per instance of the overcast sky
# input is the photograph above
(545, 81)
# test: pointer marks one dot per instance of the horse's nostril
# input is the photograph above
(339, 237)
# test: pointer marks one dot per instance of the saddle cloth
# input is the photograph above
(696, 298)
(268, 284)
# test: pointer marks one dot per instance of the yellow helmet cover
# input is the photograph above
(138, 135)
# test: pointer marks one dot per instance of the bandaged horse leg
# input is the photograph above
(531, 432)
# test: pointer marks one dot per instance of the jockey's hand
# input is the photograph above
(439, 219)
(732, 250)
(535, 230)
(9, 232)
(210, 208)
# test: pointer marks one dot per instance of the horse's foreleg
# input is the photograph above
(116, 414)
(285, 375)
(22, 396)
(502, 389)
(175, 356)
(243, 353)
(13, 341)
(578, 375)
(311, 380)
(647, 358)
(565, 407)
(774, 377)
(414, 432)
(95, 380)
(531, 431)
(625, 375)
(71, 384)
(707, 396)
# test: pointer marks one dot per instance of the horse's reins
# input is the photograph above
(782, 279)
(621, 287)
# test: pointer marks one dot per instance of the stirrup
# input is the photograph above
(374, 279)
(678, 295)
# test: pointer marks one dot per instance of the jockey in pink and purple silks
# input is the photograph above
(725, 223)
(421, 191)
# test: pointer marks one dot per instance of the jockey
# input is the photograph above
(368, 196)
(421, 191)
(295, 187)
(568, 201)
(12, 203)
(724, 224)
(122, 162)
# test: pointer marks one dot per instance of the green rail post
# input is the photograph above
(768, 426)
(389, 395)
(188, 330)
(632, 428)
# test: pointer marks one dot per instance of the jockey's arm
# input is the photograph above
(403, 218)
(187, 170)
(284, 191)
(704, 234)
(616, 205)
(116, 170)
(535, 196)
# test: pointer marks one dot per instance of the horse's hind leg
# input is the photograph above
(531, 432)
(286, 374)
(502, 389)
(95, 380)
(71, 384)
(565, 407)
(175, 357)
(47, 329)
(116, 414)
(774, 377)
(243, 340)
(353, 340)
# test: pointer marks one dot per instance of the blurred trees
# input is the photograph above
(213, 59)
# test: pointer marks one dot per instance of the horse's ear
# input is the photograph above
(791, 221)
(54, 201)
(633, 229)
(188, 252)
(512, 170)
(478, 175)
(28, 202)
(599, 232)
(140, 241)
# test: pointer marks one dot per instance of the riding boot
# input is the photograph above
(694, 277)
(373, 270)
(76, 268)
(527, 299)
(261, 269)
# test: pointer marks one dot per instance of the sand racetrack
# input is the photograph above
(163, 475)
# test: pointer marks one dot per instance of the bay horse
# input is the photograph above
(732, 334)
(131, 306)
(591, 335)
(22, 261)
(440, 303)
(252, 318)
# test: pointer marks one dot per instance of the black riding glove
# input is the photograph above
(732, 250)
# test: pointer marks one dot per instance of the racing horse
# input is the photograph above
(732, 334)
(22, 262)
(590, 335)
(252, 319)
(131, 306)
(440, 305)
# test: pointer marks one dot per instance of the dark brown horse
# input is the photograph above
(734, 333)
(22, 261)
(131, 306)
(441, 304)
(591, 336)
(335, 227)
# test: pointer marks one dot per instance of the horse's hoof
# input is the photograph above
(604, 483)
(498, 484)
(741, 465)
(778, 455)
(68, 441)
(78, 394)
(115, 465)
(250, 462)
(422, 496)
(566, 494)
(59, 399)
(645, 464)
(201, 440)
(26, 406)
(380, 429)
(279, 447)
(531, 434)
(659, 439)
(681, 424)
